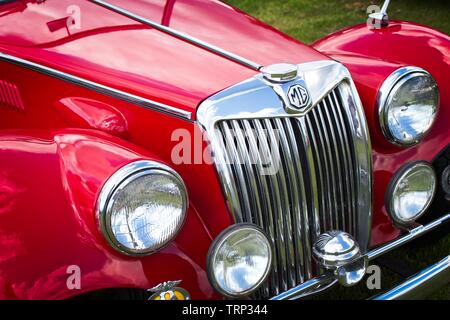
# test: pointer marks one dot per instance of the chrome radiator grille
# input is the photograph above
(294, 171)
(295, 177)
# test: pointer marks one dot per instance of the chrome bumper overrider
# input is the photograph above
(418, 285)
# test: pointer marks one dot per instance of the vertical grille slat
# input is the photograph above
(251, 173)
(223, 160)
(304, 267)
(243, 156)
(241, 181)
(295, 177)
(284, 216)
(246, 156)
(324, 155)
(336, 159)
(276, 210)
(266, 215)
(321, 184)
(351, 163)
(331, 165)
(293, 217)
(338, 122)
(309, 184)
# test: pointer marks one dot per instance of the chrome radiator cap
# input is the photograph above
(280, 72)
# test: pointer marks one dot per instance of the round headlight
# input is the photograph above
(408, 103)
(142, 207)
(411, 192)
(239, 260)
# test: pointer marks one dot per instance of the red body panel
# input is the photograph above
(60, 142)
(46, 213)
(43, 116)
(122, 53)
(371, 55)
(163, 68)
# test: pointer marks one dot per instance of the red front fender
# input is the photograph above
(47, 221)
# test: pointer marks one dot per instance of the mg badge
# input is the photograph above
(169, 291)
(298, 97)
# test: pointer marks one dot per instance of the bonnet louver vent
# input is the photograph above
(10, 96)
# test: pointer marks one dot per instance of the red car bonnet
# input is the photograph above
(117, 51)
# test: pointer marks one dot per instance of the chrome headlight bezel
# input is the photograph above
(123, 177)
(399, 176)
(391, 86)
(218, 243)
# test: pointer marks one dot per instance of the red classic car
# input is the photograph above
(186, 148)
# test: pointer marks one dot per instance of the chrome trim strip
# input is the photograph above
(180, 35)
(304, 288)
(363, 183)
(411, 235)
(421, 284)
(415, 233)
(256, 98)
(114, 93)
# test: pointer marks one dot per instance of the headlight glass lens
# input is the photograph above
(410, 108)
(411, 192)
(239, 260)
(145, 211)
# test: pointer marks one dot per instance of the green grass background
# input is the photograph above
(309, 20)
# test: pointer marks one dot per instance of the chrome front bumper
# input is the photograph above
(417, 286)
(422, 284)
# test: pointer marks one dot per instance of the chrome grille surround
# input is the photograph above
(322, 182)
